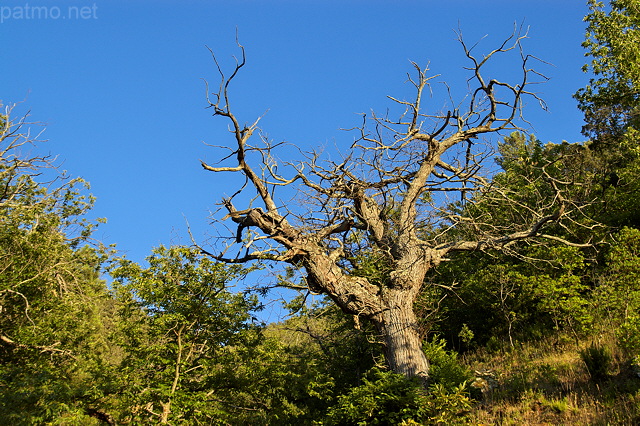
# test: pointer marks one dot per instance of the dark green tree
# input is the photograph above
(611, 106)
(54, 307)
(610, 101)
(528, 285)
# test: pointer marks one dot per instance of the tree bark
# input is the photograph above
(390, 309)
(398, 327)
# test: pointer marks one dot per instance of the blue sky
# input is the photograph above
(121, 88)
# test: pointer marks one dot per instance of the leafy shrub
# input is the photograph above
(383, 398)
(446, 369)
(629, 335)
(448, 407)
(387, 398)
(597, 359)
(617, 296)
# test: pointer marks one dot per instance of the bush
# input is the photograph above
(383, 398)
(448, 407)
(629, 335)
(386, 398)
(597, 359)
(446, 369)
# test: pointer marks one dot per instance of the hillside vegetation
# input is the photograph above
(531, 326)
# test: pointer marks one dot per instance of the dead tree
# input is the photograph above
(382, 201)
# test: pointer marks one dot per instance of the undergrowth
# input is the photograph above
(555, 381)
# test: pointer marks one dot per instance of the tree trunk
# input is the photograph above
(398, 327)
(389, 309)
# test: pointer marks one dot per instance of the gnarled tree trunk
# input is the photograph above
(397, 325)
(380, 199)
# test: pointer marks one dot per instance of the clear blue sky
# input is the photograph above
(120, 87)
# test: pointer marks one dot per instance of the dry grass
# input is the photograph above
(547, 383)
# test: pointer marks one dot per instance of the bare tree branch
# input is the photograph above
(385, 198)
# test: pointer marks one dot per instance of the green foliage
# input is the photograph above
(273, 383)
(179, 326)
(446, 369)
(622, 279)
(611, 105)
(597, 359)
(514, 292)
(448, 407)
(56, 311)
(465, 335)
(386, 398)
(628, 334)
(319, 354)
(610, 101)
(383, 398)
(617, 297)
(528, 188)
(501, 297)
